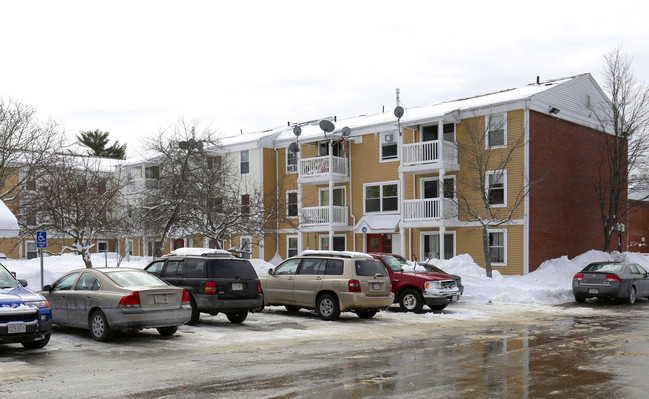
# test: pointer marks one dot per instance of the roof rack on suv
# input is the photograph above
(340, 254)
(188, 251)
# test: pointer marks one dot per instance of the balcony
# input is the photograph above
(428, 156)
(319, 216)
(429, 209)
(317, 170)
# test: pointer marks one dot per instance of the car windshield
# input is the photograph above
(370, 267)
(394, 262)
(433, 269)
(7, 280)
(135, 278)
(604, 267)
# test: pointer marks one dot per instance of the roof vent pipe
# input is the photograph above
(538, 80)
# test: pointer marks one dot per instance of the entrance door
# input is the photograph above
(179, 243)
(379, 243)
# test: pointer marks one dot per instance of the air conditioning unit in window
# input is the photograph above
(291, 168)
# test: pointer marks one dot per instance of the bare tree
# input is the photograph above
(75, 198)
(626, 118)
(27, 146)
(485, 168)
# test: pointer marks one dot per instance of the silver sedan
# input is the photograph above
(106, 299)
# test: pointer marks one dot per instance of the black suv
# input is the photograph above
(217, 282)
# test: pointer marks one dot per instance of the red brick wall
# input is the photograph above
(638, 226)
(564, 163)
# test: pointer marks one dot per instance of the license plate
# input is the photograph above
(237, 286)
(593, 290)
(160, 299)
(376, 286)
(16, 328)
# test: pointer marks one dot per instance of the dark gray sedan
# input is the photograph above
(614, 280)
(106, 299)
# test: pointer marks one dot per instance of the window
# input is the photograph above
(246, 247)
(289, 267)
(339, 243)
(213, 162)
(245, 162)
(65, 283)
(102, 246)
(31, 250)
(195, 268)
(432, 246)
(291, 161)
(291, 246)
(215, 204)
(429, 133)
(323, 149)
(381, 197)
(31, 220)
(156, 267)
(449, 187)
(291, 203)
(31, 185)
(174, 269)
(312, 266)
(498, 246)
(152, 172)
(496, 188)
(389, 146)
(87, 282)
(496, 131)
(449, 132)
(245, 204)
(129, 247)
(338, 194)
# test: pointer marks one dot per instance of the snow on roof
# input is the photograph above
(198, 251)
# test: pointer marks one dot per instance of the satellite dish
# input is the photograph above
(297, 131)
(398, 111)
(293, 147)
(183, 145)
(346, 131)
(327, 126)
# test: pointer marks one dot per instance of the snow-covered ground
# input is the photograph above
(550, 284)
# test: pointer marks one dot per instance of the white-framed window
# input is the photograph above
(244, 162)
(245, 245)
(291, 161)
(389, 146)
(338, 194)
(291, 203)
(152, 172)
(213, 162)
(430, 187)
(496, 131)
(323, 149)
(381, 197)
(498, 247)
(431, 247)
(31, 251)
(102, 246)
(340, 242)
(449, 132)
(291, 246)
(496, 182)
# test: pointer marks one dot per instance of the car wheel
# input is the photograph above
(37, 344)
(411, 300)
(166, 331)
(99, 328)
(328, 308)
(438, 307)
(366, 313)
(196, 314)
(237, 317)
(292, 309)
(580, 298)
(631, 298)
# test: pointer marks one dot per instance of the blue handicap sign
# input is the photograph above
(41, 239)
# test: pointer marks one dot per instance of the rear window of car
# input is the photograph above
(604, 267)
(231, 268)
(129, 279)
(369, 267)
(334, 267)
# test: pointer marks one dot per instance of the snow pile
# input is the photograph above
(550, 284)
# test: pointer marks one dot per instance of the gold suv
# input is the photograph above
(329, 282)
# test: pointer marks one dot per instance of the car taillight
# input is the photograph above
(578, 277)
(210, 288)
(259, 288)
(613, 277)
(354, 286)
(186, 297)
(131, 301)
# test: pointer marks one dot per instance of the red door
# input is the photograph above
(179, 243)
(379, 243)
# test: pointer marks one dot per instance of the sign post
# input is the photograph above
(41, 242)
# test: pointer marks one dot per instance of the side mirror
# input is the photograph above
(47, 288)
(23, 282)
(270, 271)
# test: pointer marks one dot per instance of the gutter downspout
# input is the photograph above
(277, 201)
(526, 206)
(351, 190)
(261, 186)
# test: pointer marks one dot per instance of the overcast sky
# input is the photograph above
(133, 67)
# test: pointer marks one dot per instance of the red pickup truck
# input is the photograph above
(414, 289)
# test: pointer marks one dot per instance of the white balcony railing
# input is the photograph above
(428, 151)
(429, 208)
(319, 166)
(320, 215)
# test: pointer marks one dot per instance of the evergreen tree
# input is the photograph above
(97, 142)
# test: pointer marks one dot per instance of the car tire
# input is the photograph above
(438, 307)
(366, 313)
(37, 344)
(167, 331)
(196, 314)
(99, 328)
(580, 298)
(237, 317)
(292, 309)
(328, 308)
(411, 300)
(630, 299)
